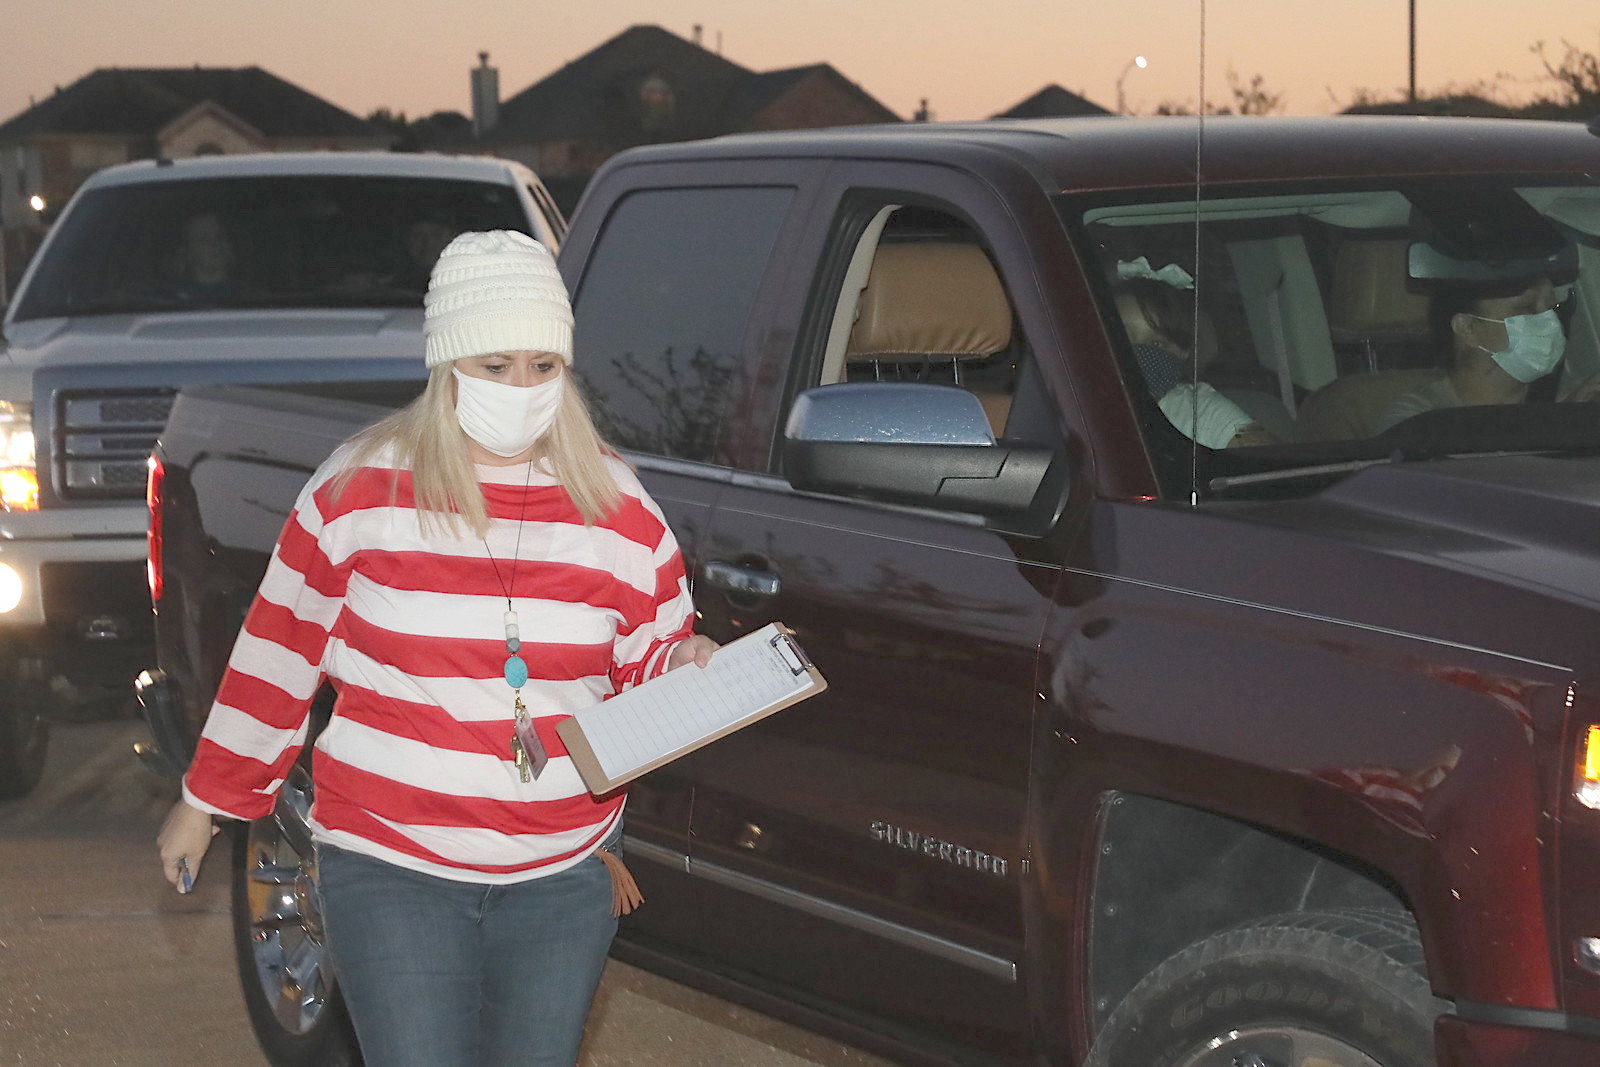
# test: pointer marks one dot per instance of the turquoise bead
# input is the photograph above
(516, 672)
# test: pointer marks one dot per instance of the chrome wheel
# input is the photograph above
(284, 921)
(1277, 1047)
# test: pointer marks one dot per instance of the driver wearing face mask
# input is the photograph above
(1497, 343)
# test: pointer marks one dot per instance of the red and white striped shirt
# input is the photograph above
(415, 766)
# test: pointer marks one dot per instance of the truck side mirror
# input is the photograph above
(926, 445)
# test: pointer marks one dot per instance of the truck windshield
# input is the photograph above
(290, 241)
(1270, 337)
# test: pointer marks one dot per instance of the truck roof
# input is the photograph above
(309, 164)
(1095, 153)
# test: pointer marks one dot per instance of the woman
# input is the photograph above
(467, 573)
(1160, 324)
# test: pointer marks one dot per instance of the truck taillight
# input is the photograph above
(152, 498)
(1586, 783)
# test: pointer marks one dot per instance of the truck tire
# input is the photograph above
(289, 989)
(1342, 988)
(24, 741)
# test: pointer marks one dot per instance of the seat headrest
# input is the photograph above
(1370, 300)
(930, 299)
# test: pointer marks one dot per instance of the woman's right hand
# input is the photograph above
(184, 838)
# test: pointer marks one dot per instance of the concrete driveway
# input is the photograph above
(101, 963)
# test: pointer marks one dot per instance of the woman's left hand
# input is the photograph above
(694, 649)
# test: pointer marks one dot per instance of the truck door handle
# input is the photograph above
(746, 581)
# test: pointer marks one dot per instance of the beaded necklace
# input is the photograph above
(527, 751)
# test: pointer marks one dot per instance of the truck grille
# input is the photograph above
(102, 439)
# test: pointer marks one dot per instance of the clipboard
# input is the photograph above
(675, 713)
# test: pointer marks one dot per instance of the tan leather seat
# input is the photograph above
(933, 303)
(1372, 309)
(1371, 303)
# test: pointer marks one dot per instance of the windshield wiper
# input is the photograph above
(1223, 482)
(1406, 454)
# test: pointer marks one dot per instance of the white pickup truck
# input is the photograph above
(247, 269)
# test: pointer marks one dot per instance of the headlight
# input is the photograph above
(10, 588)
(1586, 783)
(19, 479)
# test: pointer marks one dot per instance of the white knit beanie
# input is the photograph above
(495, 291)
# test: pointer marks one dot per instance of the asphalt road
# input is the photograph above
(101, 963)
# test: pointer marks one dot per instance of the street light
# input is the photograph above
(36, 202)
(1411, 83)
(1136, 61)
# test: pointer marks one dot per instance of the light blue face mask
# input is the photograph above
(1534, 345)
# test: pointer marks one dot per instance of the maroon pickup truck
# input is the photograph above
(1212, 653)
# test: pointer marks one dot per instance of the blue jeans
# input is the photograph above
(438, 973)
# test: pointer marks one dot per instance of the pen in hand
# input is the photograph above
(185, 879)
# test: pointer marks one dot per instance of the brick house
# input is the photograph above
(647, 85)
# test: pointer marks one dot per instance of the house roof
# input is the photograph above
(1052, 102)
(593, 92)
(740, 99)
(733, 103)
(139, 102)
(597, 95)
(754, 92)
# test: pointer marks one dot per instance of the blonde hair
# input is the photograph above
(427, 440)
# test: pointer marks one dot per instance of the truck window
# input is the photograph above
(1331, 326)
(663, 309)
(292, 241)
(923, 301)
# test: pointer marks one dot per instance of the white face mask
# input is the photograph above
(1534, 345)
(506, 419)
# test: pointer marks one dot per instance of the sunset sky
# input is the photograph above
(969, 60)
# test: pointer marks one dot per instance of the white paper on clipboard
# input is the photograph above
(654, 723)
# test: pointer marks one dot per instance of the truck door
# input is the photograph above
(667, 357)
(873, 838)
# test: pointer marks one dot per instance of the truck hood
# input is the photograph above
(1496, 553)
(312, 334)
(1530, 520)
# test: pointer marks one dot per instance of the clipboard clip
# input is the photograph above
(793, 655)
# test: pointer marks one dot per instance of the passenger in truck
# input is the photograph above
(1496, 340)
(204, 261)
(425, 238)
(406, 264)
(1160, 322)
